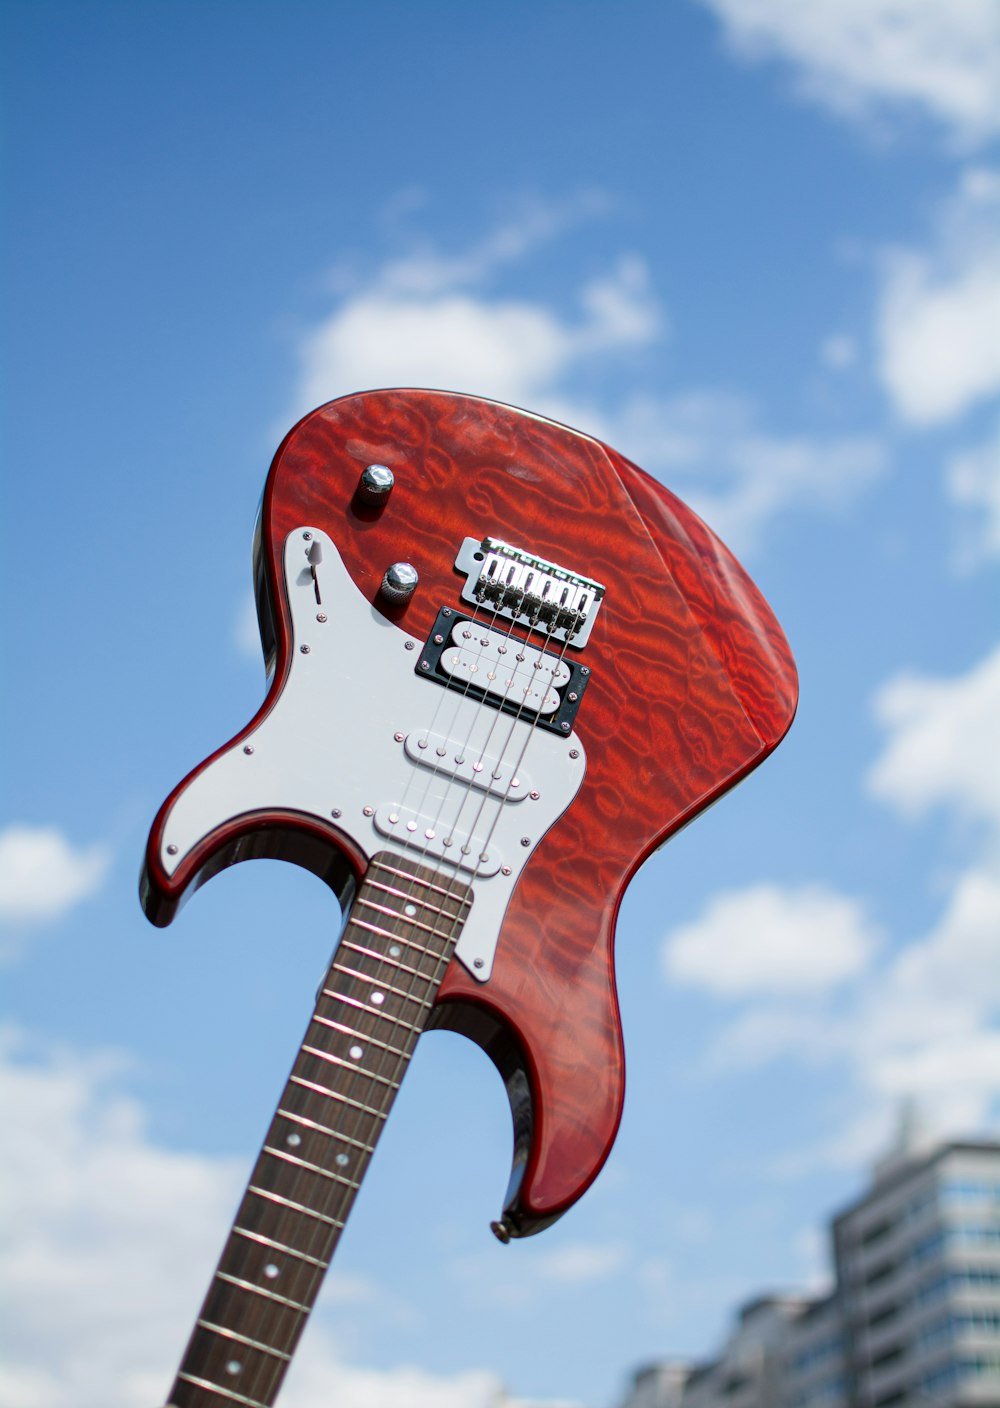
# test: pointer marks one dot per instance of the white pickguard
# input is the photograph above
(343, 742)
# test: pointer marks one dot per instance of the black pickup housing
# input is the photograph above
(429, 667)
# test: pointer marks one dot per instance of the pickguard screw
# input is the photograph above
(525, 840)
(439, 640)
(564, 727)
(307, 536)
(573, 697)
(304, 649)
(424, 665)
(171, 850)
(321, 616)
(369, 811)
(410, 644)
(584, 669)
(574, 752)
(248, 748)
(534, 796)
(398, 737)
(477, 963)
(505, 870)
(446, 611)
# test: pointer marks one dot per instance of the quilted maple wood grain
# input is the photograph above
(692, 685)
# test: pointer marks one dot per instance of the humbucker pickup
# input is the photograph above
(539, 686)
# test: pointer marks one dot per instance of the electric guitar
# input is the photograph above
(505, 665)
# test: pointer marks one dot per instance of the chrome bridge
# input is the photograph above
(522, 587)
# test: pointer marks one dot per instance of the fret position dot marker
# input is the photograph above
(378, 998)
(410, 910)
(234, 1366)
(342, 1160)
(356, 1053)
(270, 1270)
(294, 1140)
(394, 950)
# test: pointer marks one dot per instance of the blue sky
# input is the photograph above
(753, 244)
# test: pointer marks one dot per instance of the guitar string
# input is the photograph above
(468, 786)
(496, 711)
(377, 1111)
(434, 768)
(442, 959)
(346, 1194)
(340, 1195)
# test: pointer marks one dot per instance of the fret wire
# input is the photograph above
(244, 1339)
(225, 1392)
(295, 1207)
(374, 1011)
(349, 1065)
(406, 919)
(400, 938)
(392, 962)
(325, 1129)
(336, 1095)
(386, 987)
(280, 1246)
(405, 895)
(363, 1036)
(312, 1168)
(424, 884)
(262, 1291)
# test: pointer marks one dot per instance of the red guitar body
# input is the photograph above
(691, 684)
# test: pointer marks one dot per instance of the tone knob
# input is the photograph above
(375, 485)
(399, 583)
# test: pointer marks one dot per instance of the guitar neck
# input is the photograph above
(371, 1008)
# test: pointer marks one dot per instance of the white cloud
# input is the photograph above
(581, 1263)
(872, 58)
(765, 939)
(109, 1240)
(924, 1022)
(939, 310)
(321, 1378)
(398, 333)
(972, 481)
(838, 352)
(428, 320)
(43, 875)
(738, 477)
(943, 743)
(101, 1272)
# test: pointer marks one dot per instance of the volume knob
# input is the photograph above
(375, 485)
(399, 583)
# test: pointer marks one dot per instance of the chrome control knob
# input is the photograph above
(399, 583)
(375, 485)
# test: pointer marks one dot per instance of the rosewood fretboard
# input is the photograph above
(371, 1008)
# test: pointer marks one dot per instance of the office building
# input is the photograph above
(913, 1320)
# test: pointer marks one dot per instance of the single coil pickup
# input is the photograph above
(437, 839)
(466, 763)
(539, 686)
